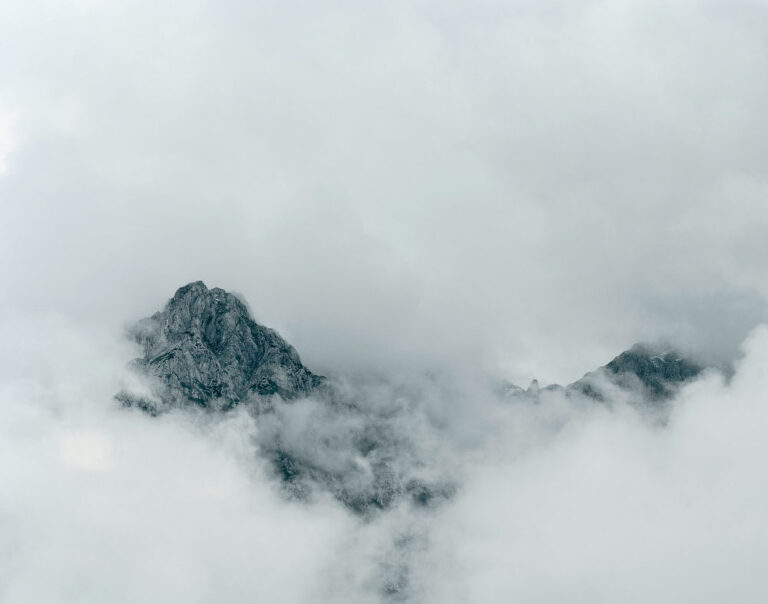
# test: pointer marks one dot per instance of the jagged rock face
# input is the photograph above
(205, 349)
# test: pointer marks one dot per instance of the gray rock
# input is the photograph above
(204, 349)
(651, 374)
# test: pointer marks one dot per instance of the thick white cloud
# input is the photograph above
(559, 500)
(523, 188)
(612, 510)
(101, 504)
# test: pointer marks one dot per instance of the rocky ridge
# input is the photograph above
(205, 352)
(647, 374)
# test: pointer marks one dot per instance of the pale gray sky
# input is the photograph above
(523, 187)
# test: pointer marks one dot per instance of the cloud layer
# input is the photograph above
(560, 499)
(504, 188)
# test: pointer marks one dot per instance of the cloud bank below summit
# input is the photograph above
(556, 500)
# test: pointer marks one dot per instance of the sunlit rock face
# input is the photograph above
(204, 349)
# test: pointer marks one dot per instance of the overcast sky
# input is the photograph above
(522, 187)
(511, 188)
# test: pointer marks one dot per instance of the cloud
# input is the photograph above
(614, 509)
(104, 504)
(553, 184)
(505, 188)
(564, 498)
(7, 140)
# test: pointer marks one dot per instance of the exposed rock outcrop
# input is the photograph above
(204, 349)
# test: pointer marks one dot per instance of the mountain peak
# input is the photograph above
(205, 348)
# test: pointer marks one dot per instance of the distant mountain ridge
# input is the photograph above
(204, 351)
(652, 372)
(371, 448)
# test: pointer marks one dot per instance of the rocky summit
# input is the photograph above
(205, 349)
